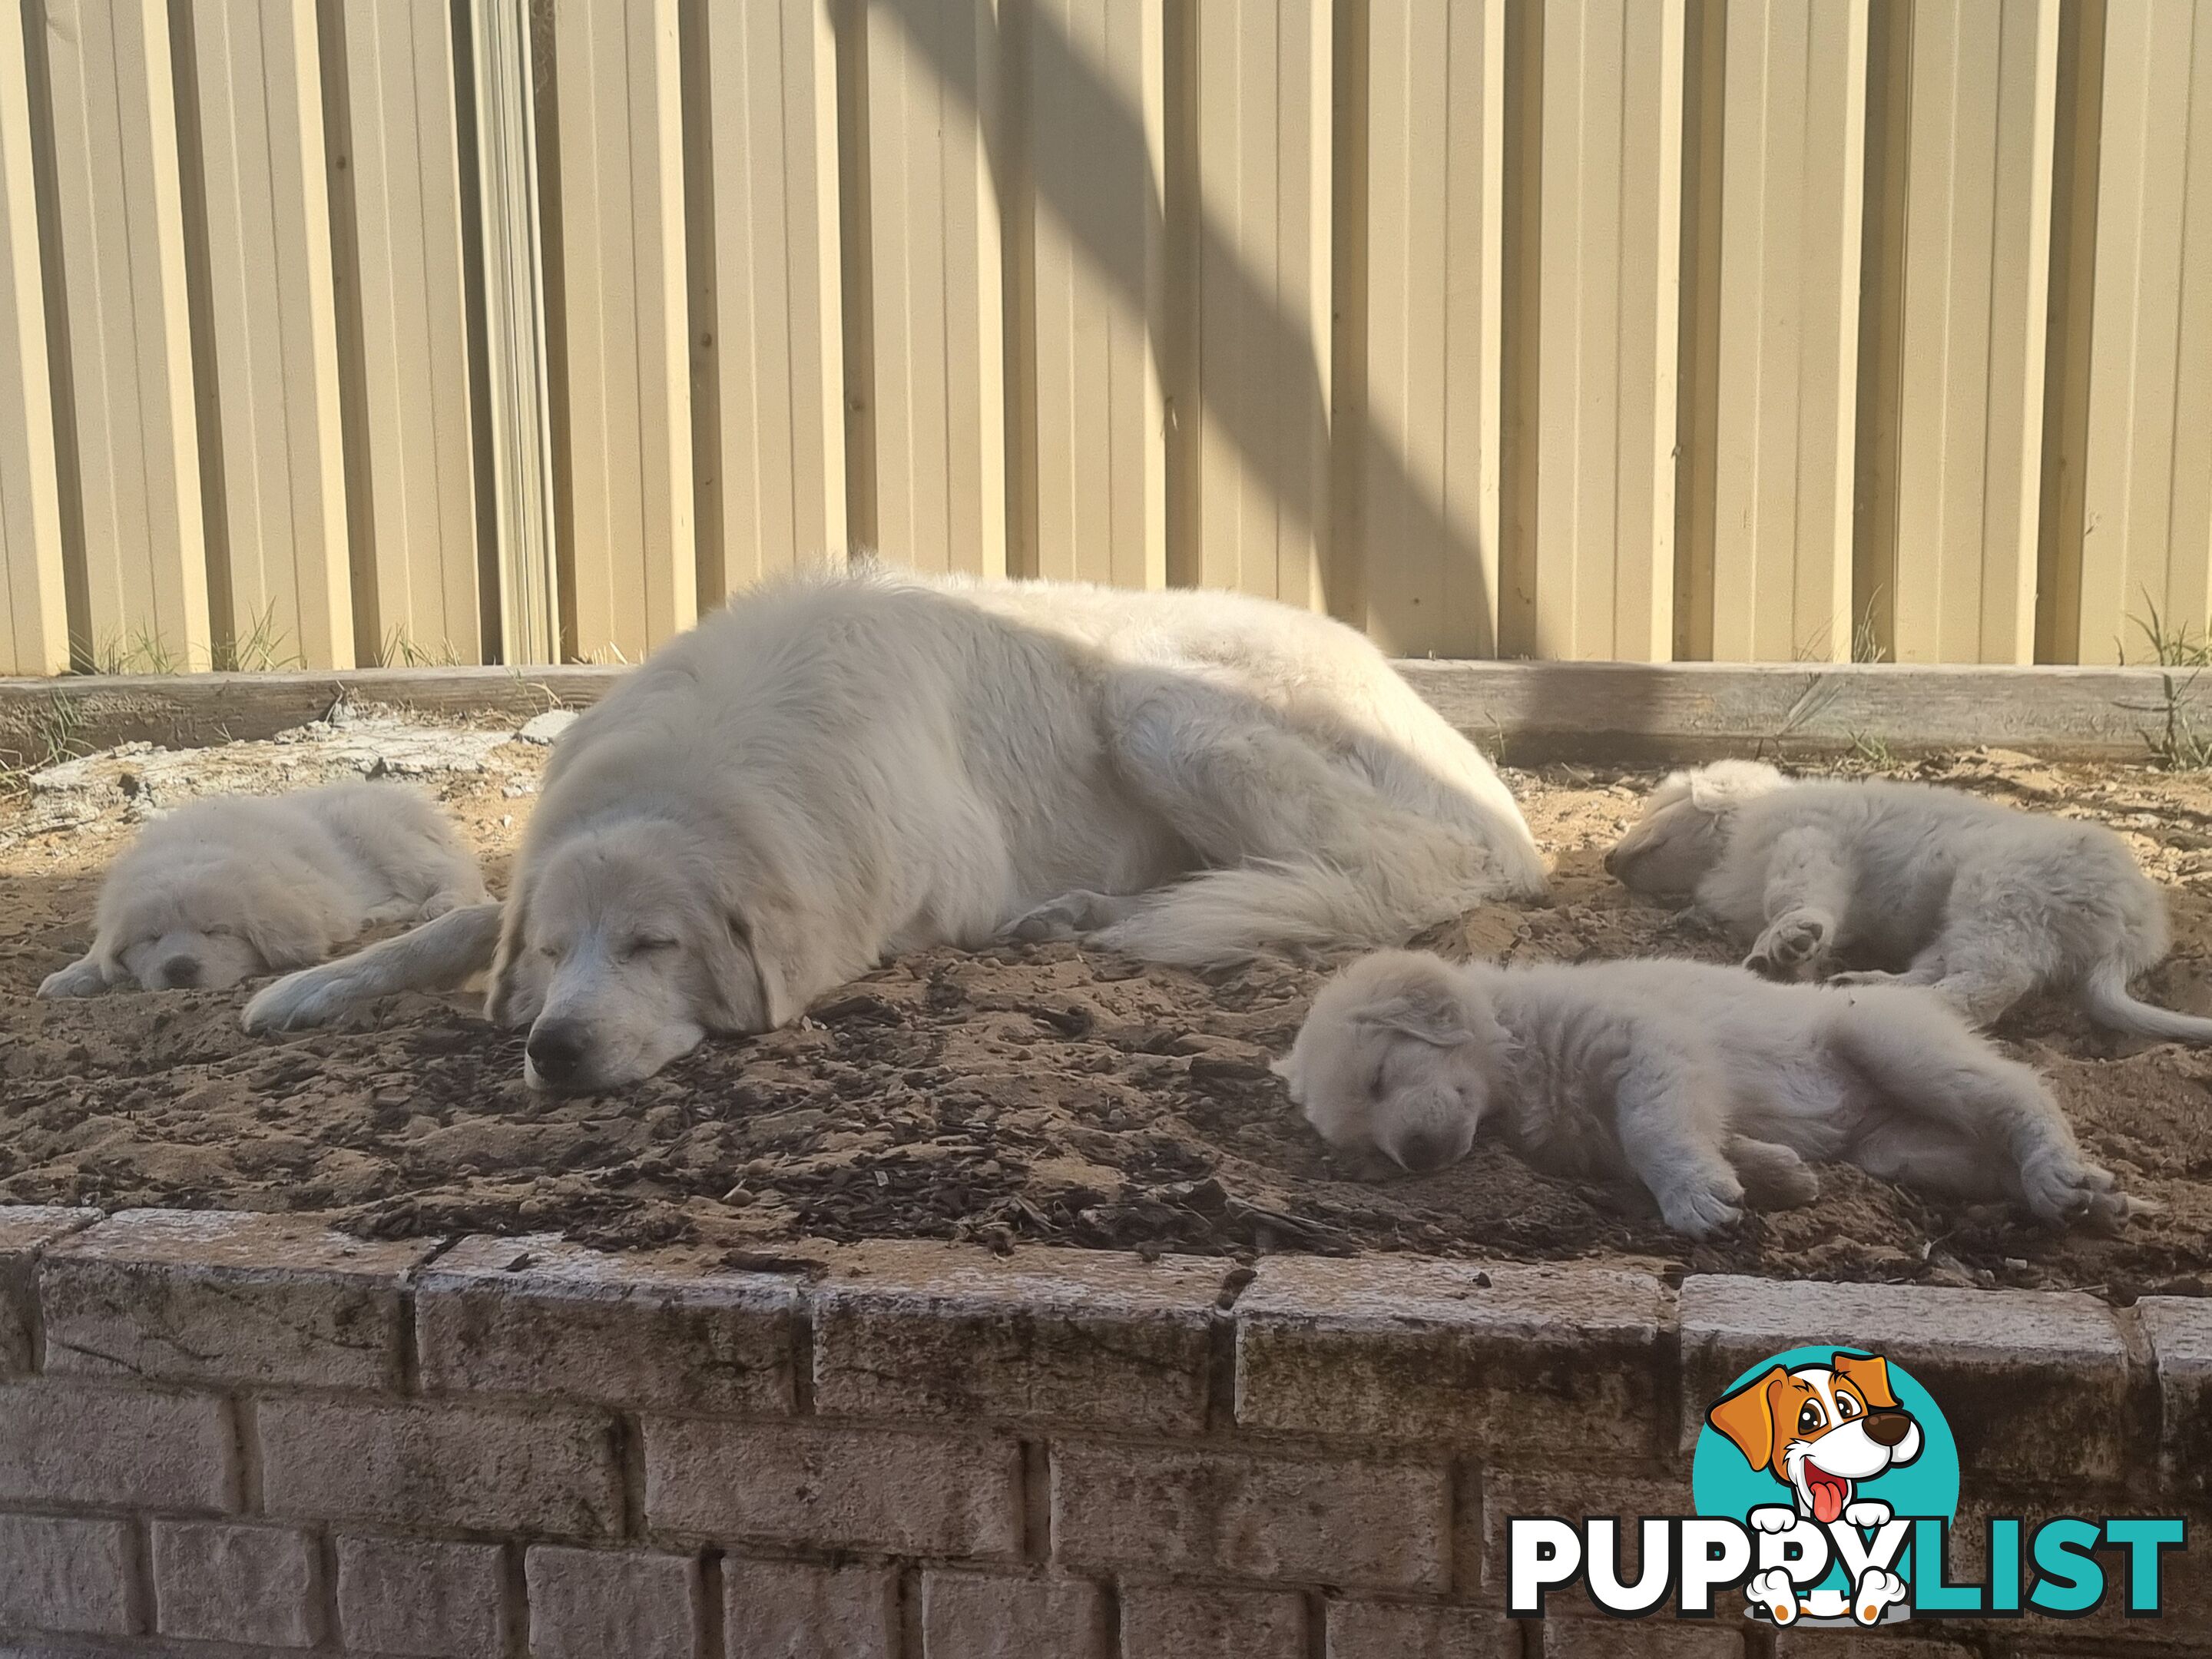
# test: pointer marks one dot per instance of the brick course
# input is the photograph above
(1049, 1453)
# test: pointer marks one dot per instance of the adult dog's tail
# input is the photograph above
(439, 955)
(2104, 997)
(1221, 916)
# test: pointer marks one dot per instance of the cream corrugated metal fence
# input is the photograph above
(404, 330)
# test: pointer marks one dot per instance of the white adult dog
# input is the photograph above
(225, 889)
(840, 769)
(1704, 1082)
(1931, 886)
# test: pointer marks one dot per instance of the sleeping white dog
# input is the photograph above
(225, 889)
(838, 769)
(1926, 886)
(1708, 1085)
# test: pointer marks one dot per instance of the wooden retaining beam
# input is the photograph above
(1528, 712)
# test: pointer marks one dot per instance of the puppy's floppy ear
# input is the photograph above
(1746, 1418)
(1869, 1375)
(289, 917)
(1429, 1009)
(1725, 784)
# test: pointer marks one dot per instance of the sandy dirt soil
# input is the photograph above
(1035, 1094)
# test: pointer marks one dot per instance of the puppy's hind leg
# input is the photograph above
(1774, 1175)
(1950, 1110)
(1071, 915)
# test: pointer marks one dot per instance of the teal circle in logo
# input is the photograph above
(1724, 1482)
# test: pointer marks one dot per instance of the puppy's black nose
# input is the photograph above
(1428, 1149)
(181, 971)
(557, 1051)
(1887, 1428)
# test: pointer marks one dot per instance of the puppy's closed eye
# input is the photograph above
(647, 944)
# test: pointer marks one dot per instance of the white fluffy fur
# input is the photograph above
(224, 888)
(1921, 885)
(838, 769)
(1704, 1082)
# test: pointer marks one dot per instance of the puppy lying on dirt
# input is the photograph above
(837, 770)
(1708, 1085)
(1928, 886)
(238, 886)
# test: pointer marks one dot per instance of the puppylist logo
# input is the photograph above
(1827, 1485)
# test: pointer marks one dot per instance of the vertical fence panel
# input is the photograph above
(279, 451)
(937, 331)
(123, 256)
(1098, 169)
(403, 333)
(1428, 468)
(1794, 160)
(1970, 360)
(35, 640)
(1264, 278)
(630, 552)
(1609, 300)
(770, 356)
(2146, 519)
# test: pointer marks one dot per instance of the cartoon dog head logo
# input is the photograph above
(1820, 1430)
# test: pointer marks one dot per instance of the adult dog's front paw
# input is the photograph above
(310, 997)
(80, 979)
(1791, 945)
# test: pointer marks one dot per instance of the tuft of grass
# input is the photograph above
(135, 650)
(54, 737)
(259, 649)
(397, 650)
(2171, 646)
(1866, 638)
(1873, 752)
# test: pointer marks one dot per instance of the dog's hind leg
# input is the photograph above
(1774, 1175)
(1949, 1110)
(1307, 851)
(439, 955)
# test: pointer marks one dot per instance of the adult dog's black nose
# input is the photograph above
(1428, 1149)
(1887, 1428)
(557, 1051)
(181, 971)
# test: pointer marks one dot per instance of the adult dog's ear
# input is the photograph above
(1870, 1376)
(1746, 1418)
(500, 990)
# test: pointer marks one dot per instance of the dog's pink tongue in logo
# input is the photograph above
(1828, 1494)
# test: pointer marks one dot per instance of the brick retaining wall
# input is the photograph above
(230, 1435)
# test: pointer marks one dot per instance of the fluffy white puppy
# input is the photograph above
(1921, 886)
(228, 888)
(839, 770)
(1704, 1082)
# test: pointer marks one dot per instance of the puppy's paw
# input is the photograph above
(1876, 1590)
(1790, 945)
(1703, 1211)
(1069, 916)
(1772, 1517)
(313, 996)
(1868, 1513)
(81, 978)
(1774, 1175)
(2058, 1186)
(1774, 1590)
